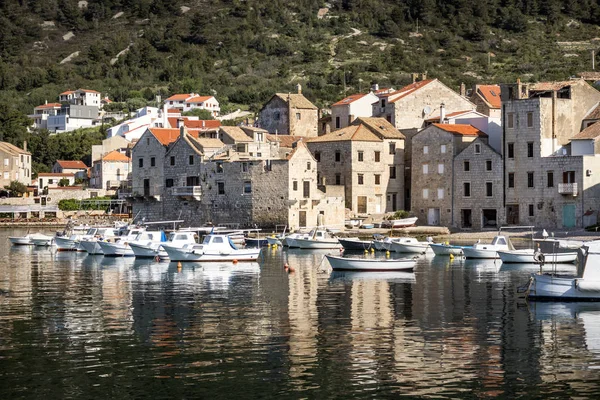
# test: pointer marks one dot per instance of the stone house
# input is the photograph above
(434, 150)
(248, 140)
(51, 179)
(290, 114)
(546, 185)
(366, 157)
(16, 164)
(487, 99)
(70, 167)
(348, 109)
(111, 171)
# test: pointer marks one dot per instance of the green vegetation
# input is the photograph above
(16, 189)
(74, 204)
(202, 114)
(400, 214)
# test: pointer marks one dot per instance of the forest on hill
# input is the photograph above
(243, 51)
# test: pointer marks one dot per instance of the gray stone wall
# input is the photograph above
(274, 117)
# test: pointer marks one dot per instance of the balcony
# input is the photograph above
(188, 192)
(568, 189)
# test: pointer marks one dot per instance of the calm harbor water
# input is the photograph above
(78, 326)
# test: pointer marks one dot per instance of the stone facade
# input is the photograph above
(15, 164)
(290, 114)
(545, 185)
(345, 111)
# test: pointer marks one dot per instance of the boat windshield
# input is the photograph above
(91, 231)
(206, 239)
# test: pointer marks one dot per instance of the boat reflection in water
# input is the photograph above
(389, 276)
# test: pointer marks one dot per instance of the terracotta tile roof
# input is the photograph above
(67, 92)
(196, 124)
(349, 99)
(591, 132)
(406, 90)
(199, 99)
(167, 135)
(236, 133)
(594, 114)
(297, 100)
(174, 111)
(209, 142)
(286, 141)
(179, 97)
(359, 133)
(71, 164)
(115, 156)
(491, 94)
(590, 75)
(89, 91)
(12, 149)
(381, 127)
(299, 145)
(450, 115)
(50, 105)
(550, 86)
(54, 174)
(461, 129)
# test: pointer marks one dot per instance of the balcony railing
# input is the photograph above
(567, 188)
(188, 191)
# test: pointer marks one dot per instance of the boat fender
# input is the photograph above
(589, 286)
(539, 257)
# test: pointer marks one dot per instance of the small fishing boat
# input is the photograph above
(383, 244)
(152, 249)
(401, 223)
(275, 240)
(355, 244)
(370, 264)
(30, 239)
(488, 250)
(256, 242)
(318, 239)
(535, 257)
(367, 226)
(585, 287)
(409, 245)
(21, 240)
(42, 240)
(445, 249)
(213, 248)
(89, 242)
(120, 246)
(290, 240)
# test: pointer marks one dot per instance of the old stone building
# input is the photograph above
(345, 111)
(545, 184)
(366, 157)
(433, 182)
(290, 114)
(16, 164)
(111, 171)
(487, 99)
(249, 140)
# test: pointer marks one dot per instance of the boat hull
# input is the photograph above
(355, 244)
(527, 256)
(417, 248)
(184, 254)
(66, 244)
(480, 253)
(42, 242)
(446, 249)
(317, 244)
(403, 223)
(20, 241)
(369, 264)
(92, 247)
(148, 251)
(116, 249)
(274, 241)
(548, 287)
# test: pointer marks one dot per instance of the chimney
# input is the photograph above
(180, 123)
(25, 145)
(415, 77)
(375, 87)
(463, 89)
(424, 76)
(442, 113)
(46, 102)
(299, 87)
(203, 123)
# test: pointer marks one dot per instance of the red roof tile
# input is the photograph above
(450, 115)
(198, 99)
(196, 124)
(461, 129)
(115, 156)
(349, 99)
(406, 90)
(50, 105)
(491, 94)
(167, 136)
(179, 97)
(67, 164)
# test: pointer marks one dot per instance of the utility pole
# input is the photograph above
(593, 60)
(344, 82)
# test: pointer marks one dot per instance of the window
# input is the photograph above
(511, 150)
(6, 175)
(141, 162)
(6, 160)
(377, 156)
(147, 141)
(511, 179)
(510, 120)
(467, 189)
(221, 187)
(440, 168)
(393, 148)
(276, 115)
(338, 156)
(489, 189)
(530, 179)
(308, 166)
(295, 185)
(192, 181)
(298, 116)
(361, 156)
(268, 166)
(530, 120)
(382, 102)
(529, 149)
(488, 165)
(550, 179)
(306, 189)
(152, 161)
(425, 169)
(219, 168)
(531, 210)
(191, 160)
(169, 182)
(477, 149)
(392, 172)
(377, 179)
(318, 156)
(244, 167)
(425, 149)
(440, 193)
(361, 179)
(337, 123)
(466, 166)
(247, 187)
(425, 193)
(172, 160)
(443, 149)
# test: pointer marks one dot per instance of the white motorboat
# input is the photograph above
(574, 288)
(89, 242)
(275, 240)
(487, 250)
(370, 264)
(290, 240)
(213, 248)
(355, 244)
(384, 244)
(319, 239)
(119, 247)
(30, 239)
(531, 256)
(409, 245)
(445, 249)
(70, 242)
(42, 240)
(152, 249)
(403, 222)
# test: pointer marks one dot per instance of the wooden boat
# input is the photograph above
(401, 223)
(488, 250)
(409, 245)
(38, 239)
(354, 244)
(531, 256)
(390, 276)
(570, 288)
(155, 249)
(444, 249)
(319, 239)
(213, 248)
(370, 264)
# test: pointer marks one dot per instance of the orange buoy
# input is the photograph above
(235, 261)
(290, 270)
(286, 265)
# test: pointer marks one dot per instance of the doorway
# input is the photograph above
(568, 215)
(512, 214)
(466, 218)
(433, 216)
(489, 218)
(302, 218)
(361, 204)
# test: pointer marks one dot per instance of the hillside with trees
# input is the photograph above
(243, 51)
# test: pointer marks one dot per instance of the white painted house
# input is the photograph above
(348, 109)
(192, 101)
